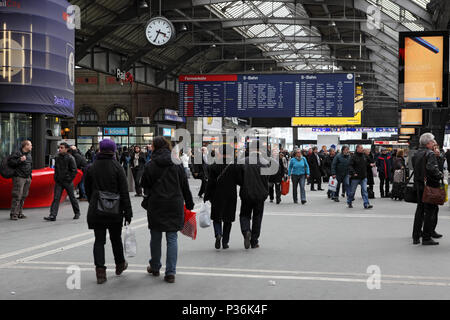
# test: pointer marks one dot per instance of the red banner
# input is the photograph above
(211, 77)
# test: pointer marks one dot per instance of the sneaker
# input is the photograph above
(121, 267)
(170, 278)
(369, 207)
(154, 273)
(350, 205)
(50, 218)
(247, 237)
(218, 239)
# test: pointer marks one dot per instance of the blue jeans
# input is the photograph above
(346, 186)
(172, 251)
(298, 180)
(354, 184)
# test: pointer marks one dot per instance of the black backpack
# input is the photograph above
(6, 170)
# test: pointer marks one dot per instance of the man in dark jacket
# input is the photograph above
(315, 167)
(339, 170)
(22, 162)
(253, 192)
(89, 155)
(65, 172)
(384, 165)
(358, 176)
(425, 167)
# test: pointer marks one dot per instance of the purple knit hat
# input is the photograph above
(107, 146)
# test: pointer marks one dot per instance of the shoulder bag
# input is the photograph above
(432, 195)
(108, 203)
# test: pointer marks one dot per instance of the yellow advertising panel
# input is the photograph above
(411, 117)
(334, 121)
(407, 130)
(424, 66)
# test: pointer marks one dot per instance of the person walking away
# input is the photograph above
(315, 165)
(370, 179)
(137, 164)
(201, 171)
(125, 160)
(328, 160)
(22, 163)
(384, 166)
(426, 168)
(298, 172)
(399, 176)
(106, 177)
(167, 188)
(253, 192)
(358, 176)
(339, 170)
(221, 192)
(275, 179)
(81, 162)
(65, 172)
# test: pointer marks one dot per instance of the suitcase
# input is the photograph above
(398, 190)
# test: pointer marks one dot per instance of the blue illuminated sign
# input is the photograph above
(115, 131)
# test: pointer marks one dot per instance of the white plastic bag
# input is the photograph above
(129, 242)
(204, 215)
(332, 184)
(375, 171)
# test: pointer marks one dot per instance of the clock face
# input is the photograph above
(159, 31)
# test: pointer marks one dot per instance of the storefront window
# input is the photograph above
(14, 128)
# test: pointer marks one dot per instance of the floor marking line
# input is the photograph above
(251, 276)
(51, 243)
(344, 215)
(248, 270)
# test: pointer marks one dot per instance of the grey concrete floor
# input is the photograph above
(321, 250)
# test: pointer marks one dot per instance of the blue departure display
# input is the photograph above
(271, 95)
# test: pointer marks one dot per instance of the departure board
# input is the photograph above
(268, 95)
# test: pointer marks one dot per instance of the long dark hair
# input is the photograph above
(161, 143)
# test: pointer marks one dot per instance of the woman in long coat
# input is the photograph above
(221, 192)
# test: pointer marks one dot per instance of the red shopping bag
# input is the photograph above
(190, 224)
(285, 187)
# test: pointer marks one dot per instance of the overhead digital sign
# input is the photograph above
(407, 131)
(411, 117)
(423, 62)
(268, 95)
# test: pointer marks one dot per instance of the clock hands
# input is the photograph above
(158, 33)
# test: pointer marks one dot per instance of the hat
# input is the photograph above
(333, 146)
(107, 146)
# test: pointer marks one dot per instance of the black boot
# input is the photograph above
(101, 274)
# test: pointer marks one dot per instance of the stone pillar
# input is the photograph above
(38, 140)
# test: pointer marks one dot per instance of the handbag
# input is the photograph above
(433, 195)
(190, 224)
(285, 186)
(144, 203)
(108, 203)
(410, 191)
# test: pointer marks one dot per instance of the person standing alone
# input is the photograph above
(384, 166)
(65, 172)
(22, 162)
(137, 164)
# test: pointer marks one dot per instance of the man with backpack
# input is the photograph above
(22, 163)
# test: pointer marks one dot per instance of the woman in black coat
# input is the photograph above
(370, 179)
(167, 188)
(221, 192)
(106, 174)
(315, 169)
(137, 164)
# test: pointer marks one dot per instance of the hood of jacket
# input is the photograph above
(162, 157)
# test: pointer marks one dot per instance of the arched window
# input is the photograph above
(159, 115)
(118, 115)
(87, 115)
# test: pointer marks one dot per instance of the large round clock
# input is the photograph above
(159, 31)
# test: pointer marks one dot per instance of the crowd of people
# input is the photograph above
(164, 185)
